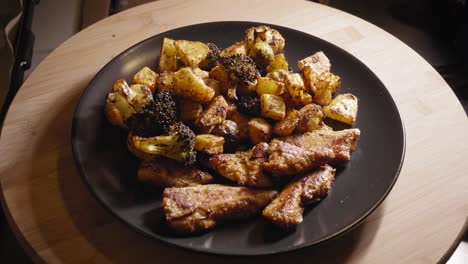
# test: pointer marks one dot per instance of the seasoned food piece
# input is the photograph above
(211, 59)
(178, 145)
(189, 85)
(215, 85)
(279, 63)
(214, 114)
(146, 77)
(242, 122)
(318, 63)
(167, 173)
(278, 75)
(297, 90)
(259, 130)
(236, 48)
(302, 152)
(241, 167)
(168, 56)
(249, 105)
(189, 110)
(326, 85)
(264, 34)
(142, 96)
(164, 81)
(191, 53)
(220, 74)
(208, 143)
(286, 126)
(266, 85)
(198, 208)
(273, 106)
(241, 69)
(229, 130)
(287, 209)
(343, 108)
(201, 73)
(311, 118)
(262, 54)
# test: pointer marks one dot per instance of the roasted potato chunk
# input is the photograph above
(311, 118)
(214, 114)
(168, 56)
(146, 77)
(236, 48)
(220, 74)
(142, 96)
(297, 89)
(279, 63)
(189, 110)
(201, 73)
(318, 63)
(262, 54)
(266, 85)
(191, 53)
(208, 143)
(259, 130)
(278, 75)
(327, 83)
(288, 124)
(272, 106)
(343, 108)
(242, 122)
(164, 81)
(264, 34)
(189, 85)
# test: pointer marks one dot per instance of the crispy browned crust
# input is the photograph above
(300, 153)
(198, 208)
(167, 173)
(287, 209)
(243, 167)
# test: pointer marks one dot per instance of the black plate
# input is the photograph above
(360, 185)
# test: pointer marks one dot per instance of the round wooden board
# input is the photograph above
(57, 219)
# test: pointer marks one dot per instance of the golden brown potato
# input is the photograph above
(311, 118)
(236, 48)
(164, 81)
(215, 85)
(327, 83)
(146, 77)
(264, 34)
(117, 109)
(201, 73)
(242, 122)
(189, 85)
(220, 74)
(208, 143)
(167, 56)
(279, 63)
(343, 108)
(142, 96)
(266, 85)
(259, 130)
(231, 92)
(262, 54)
(277, 41)
(189, 110)
(191, 53)
(297, 90)
(288, 124)
(318, 63)
(272, 106)
(214, 114)
(278, 75)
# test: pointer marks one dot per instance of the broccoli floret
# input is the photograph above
(241, 68)
(177, 144)
(249, 105)
(211, 59)
(156, 117)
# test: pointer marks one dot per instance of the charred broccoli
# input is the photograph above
(156, 117)
(177, 144)
(249, 105)
(241, 67)
(211, 59)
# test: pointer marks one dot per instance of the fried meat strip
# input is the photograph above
(300, 153)
(287, 209)
(243, 167)
(167, 173)
(198, 208)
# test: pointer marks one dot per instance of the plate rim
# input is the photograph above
(207, 251)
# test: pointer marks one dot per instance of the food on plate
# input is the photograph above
(168, 173)
(243, 115)
(299, 153)
(343, 108)
(198, 208)
(286, 210)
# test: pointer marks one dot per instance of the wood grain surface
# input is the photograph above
(58, 221)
